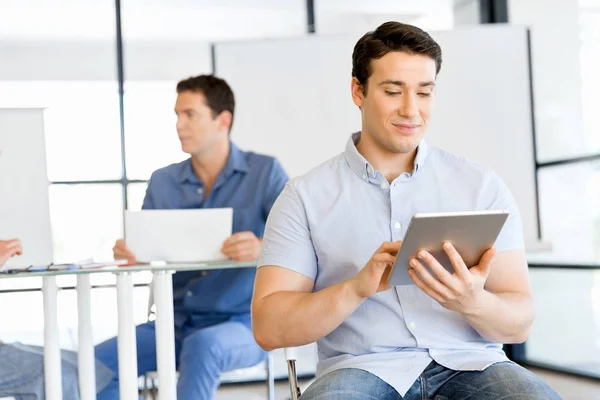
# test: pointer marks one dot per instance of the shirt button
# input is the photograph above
(200, 190)
(397, 225)
(383, 185)
(189, 293)
(364, 177)
(412, 325)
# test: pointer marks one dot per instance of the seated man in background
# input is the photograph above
(334, 232)
(212, 308)
(22, 366)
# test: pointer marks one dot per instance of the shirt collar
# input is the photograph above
(235, 162)
(422, 152)
(364, 169)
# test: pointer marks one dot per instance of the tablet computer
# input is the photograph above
(471, 233)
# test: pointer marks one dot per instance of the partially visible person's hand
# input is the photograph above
(121, 252)
(458, 291)
(242, 246)
(374, 276)
(9, 249)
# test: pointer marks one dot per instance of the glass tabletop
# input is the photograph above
(540, 258)
(132, 268)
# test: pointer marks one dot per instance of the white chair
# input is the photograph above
(150, 388)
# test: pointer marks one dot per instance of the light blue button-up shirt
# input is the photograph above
(328, 223)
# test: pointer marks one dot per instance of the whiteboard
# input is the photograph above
(293, 101)
(24, 210)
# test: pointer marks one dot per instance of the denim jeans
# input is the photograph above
(503, 380)
(201, 356)
(22, 372)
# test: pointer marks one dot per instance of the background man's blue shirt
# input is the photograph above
(249, 183)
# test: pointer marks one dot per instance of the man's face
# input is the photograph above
(198, 129)
(399, 100)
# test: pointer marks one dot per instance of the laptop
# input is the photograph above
(178, 236)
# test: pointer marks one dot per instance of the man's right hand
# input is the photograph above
(374, 276)
(121, 252)
(8, 249)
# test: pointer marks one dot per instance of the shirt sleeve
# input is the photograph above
(287, 242)
(277, 181)
(497, 196)
(148, 203)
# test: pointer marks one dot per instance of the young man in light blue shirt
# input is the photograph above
(334, 232)
(212, 308)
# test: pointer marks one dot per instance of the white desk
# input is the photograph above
(128, 377)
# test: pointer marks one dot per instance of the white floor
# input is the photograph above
(256, 391)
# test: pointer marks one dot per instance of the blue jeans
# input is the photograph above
(201, 356)
(22, 372)
(499, 381)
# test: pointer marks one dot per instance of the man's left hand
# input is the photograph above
(457, 292)
(242, 246)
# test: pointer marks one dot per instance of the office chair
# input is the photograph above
(150, 388)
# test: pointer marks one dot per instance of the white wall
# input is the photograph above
(466, 12)
(328, 116)
(359, 16)
(96, 60)
(150, 20)
(205, 19)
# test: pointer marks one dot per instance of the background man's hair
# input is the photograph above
(218, 94)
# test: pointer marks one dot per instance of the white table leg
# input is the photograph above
(52, 360)
(85, 355)
(270, 376)
(128, 377)
(162, 283)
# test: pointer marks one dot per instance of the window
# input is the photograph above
(135, 195)
(566, 331)
(86, 220)
(151, 138)
(569, 212)
(81, 122)
(590, 81)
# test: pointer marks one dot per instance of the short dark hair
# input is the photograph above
(392, 36)
(218, 94)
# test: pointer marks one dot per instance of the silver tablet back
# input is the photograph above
(471, 233)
